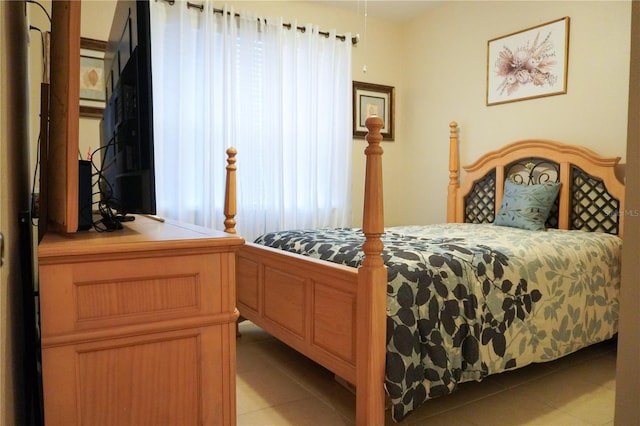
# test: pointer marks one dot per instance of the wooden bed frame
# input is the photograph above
(336, 315)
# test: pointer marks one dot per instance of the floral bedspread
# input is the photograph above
(465, 300)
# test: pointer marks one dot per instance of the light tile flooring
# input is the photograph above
(278, 386)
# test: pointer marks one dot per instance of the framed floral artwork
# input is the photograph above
(373, 99)
(528, 64)
(92, 84)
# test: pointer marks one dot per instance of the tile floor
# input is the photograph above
(278, 386)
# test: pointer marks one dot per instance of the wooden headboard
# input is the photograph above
(591, 196)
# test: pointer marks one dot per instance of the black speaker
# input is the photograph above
(85, 198)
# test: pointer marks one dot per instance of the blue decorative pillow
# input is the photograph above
(526, 206)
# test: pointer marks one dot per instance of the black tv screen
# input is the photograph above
(126, 178)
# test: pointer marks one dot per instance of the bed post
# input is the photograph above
(454, 176)
(372, 290)
(230, 193)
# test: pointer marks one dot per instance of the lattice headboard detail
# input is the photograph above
(591, 197)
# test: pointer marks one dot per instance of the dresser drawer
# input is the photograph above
(83, 296)
(183, 377)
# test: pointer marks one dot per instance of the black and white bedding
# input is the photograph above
(468, 300)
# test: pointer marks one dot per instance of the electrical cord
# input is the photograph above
(109, 221)
(35, 200)
(41, 7)
(31, 27)
(42, 53)
(35, 213)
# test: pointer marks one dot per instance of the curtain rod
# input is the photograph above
(354, 40)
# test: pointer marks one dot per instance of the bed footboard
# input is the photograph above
(331, 313)
(306, 303)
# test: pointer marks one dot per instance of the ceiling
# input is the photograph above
(392, 10)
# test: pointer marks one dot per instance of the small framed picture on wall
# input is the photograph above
(92, 83)
(373, 99)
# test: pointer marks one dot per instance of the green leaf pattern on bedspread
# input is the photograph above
(469, 300)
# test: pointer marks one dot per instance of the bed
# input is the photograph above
(491, 298)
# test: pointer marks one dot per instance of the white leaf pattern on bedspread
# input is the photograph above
(468, 300)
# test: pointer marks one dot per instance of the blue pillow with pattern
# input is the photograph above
(526, 206)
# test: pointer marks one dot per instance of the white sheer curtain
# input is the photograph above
(281, 97)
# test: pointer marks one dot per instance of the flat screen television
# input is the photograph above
(126, 178)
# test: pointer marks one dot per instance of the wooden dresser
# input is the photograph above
(138, 326)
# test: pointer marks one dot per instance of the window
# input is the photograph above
(281, 97)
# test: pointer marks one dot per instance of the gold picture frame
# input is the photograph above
(528, 64)
(92, 83)
(370, 99)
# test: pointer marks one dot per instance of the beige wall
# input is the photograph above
(446, 73)
(437, 63)
(37, 18)
(382, 50)
(96, 23)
